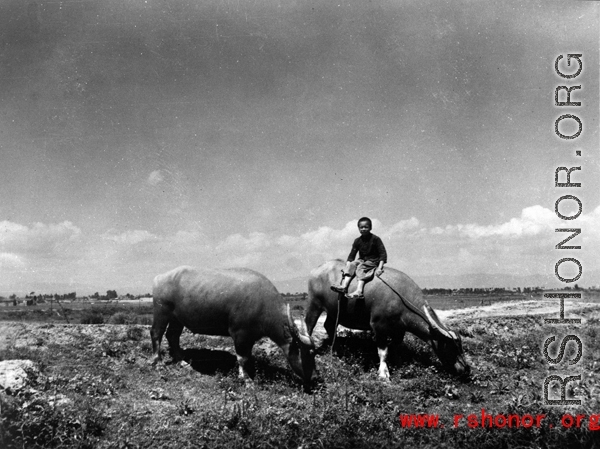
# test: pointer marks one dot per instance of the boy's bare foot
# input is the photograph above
(339, 289)
(355, 295)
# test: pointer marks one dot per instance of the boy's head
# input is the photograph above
(365, 225)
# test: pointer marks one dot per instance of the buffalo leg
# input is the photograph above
(173, 333)
(382, 350)
(394, 348)
(330, 325)
(312, 316)
(159, 325)
(243, 351)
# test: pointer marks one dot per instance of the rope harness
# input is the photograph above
(407, 303)
(417, 311)
(337, 318)
(411, 306)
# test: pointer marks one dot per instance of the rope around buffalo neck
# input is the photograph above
(406, 302)
(337, 320)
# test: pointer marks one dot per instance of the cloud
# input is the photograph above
(533, 221)
(401, 228)
(9, 261)
(130, 237)
(38, 239)
(321, 239)
(267, 253)
(256, 241)
(156, 177)
(186, 237)
(291, 255)
(590, 223)
(523, 244)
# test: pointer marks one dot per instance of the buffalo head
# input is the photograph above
(447, 345)
(301, 355)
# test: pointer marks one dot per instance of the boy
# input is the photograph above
(372, 256)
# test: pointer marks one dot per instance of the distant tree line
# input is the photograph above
(33, 298)
(497, 290)
(110, 294)
(44, 296)
(480, 291)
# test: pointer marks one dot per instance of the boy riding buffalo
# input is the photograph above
(371, 257)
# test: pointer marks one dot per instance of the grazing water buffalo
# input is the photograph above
(393, 305)
(237, 302)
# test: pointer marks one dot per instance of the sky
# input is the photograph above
(137, 136)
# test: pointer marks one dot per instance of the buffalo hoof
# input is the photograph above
(384, 374)
(177, 356)
(324, 346)
(185, 365)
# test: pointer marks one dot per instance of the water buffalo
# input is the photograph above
(393, 305)
(237, 302)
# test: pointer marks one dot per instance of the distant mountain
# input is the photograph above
(481, 280)
(475, 280)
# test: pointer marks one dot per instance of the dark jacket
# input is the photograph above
(370, 248)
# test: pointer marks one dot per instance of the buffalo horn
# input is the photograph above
(436, 325)
(304, 337)
(300, 335)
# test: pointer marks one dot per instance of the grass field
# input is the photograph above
(96, 389)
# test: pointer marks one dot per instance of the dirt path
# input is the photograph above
(520, 308)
